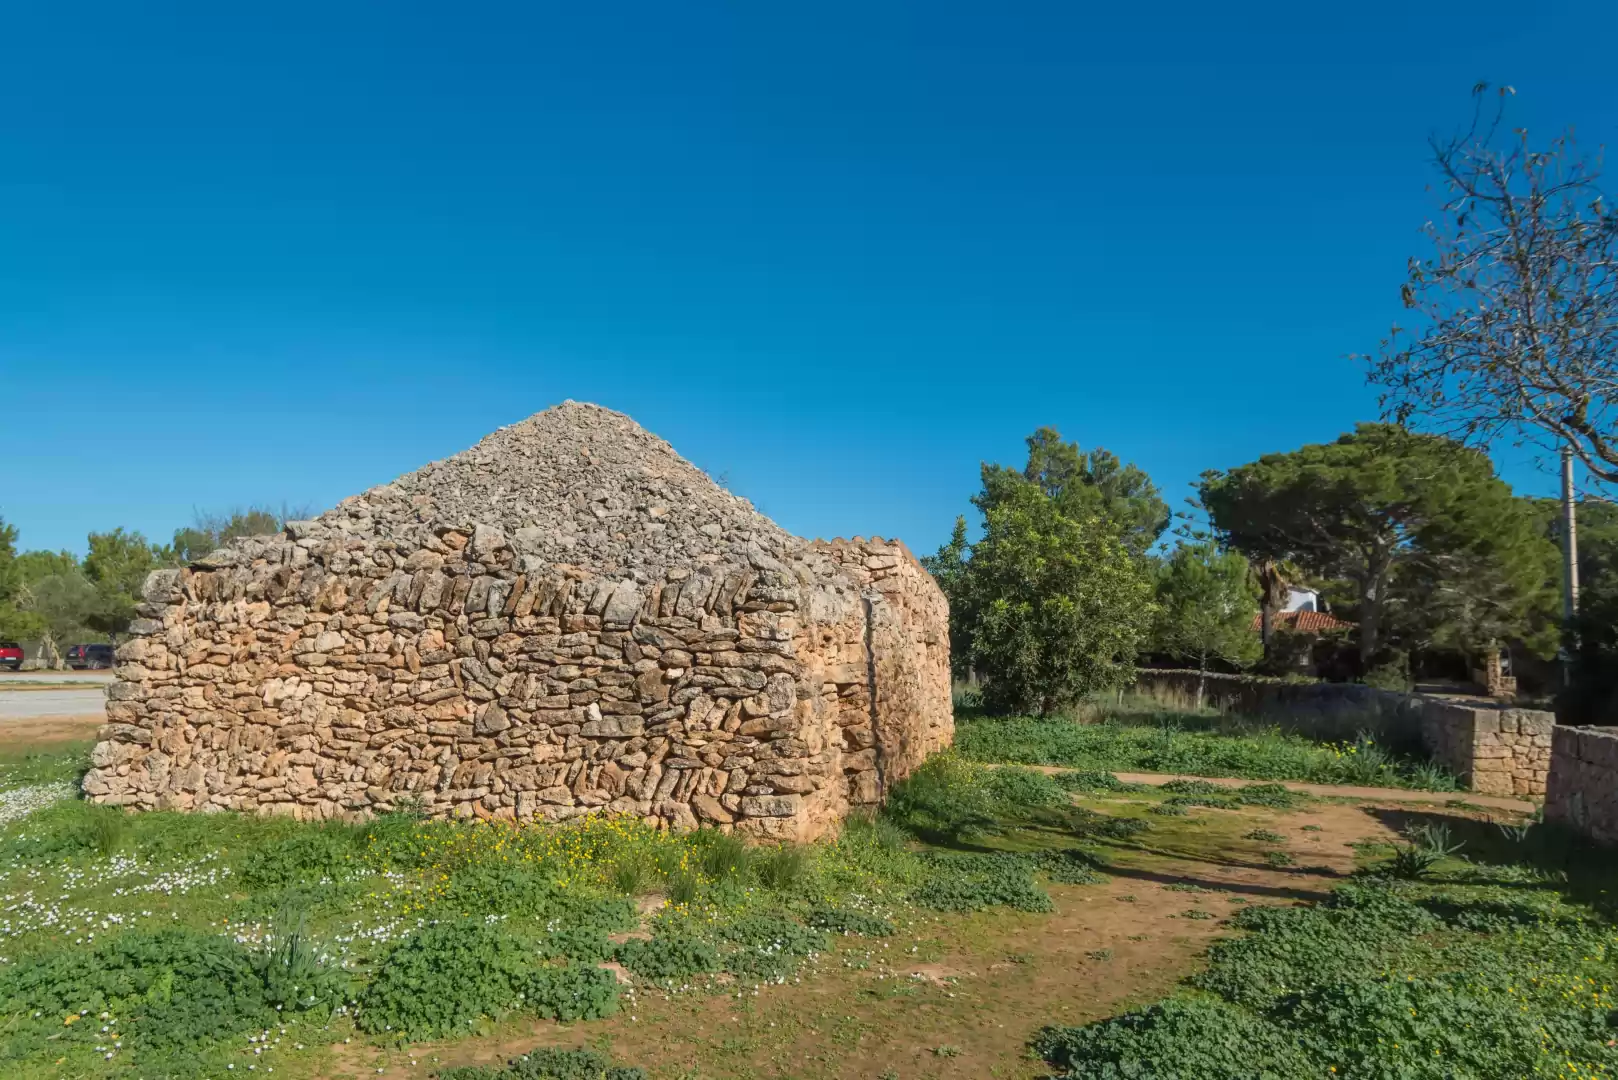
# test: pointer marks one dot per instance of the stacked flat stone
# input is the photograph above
(566, 619)
(577, 485)
(1583, 788)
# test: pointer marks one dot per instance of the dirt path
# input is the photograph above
(966, 1002)
(30, 732)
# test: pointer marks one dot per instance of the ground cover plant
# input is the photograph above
(1454, 977)
(1135, 737)
(166, 944)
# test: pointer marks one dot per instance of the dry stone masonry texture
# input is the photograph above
(567, 618)
(1583, 789)
(1493, 749)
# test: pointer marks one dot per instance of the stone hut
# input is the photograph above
(566, 618)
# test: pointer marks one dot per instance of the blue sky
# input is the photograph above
(840, 253)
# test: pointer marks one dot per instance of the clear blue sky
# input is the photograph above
(839, 252)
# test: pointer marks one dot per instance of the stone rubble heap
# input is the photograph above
(577, 484)
(567, 618)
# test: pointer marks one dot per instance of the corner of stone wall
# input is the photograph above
(911, 715)
(1582, 788)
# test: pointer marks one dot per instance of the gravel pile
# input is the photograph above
(575, 484)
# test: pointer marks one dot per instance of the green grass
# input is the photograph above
(1131, 739)
(64, 763)
(194, 933)
(1483, 969)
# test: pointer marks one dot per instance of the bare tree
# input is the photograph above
(1518, 304)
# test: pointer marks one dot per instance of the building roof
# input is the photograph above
(580, 485)
(1308, 622)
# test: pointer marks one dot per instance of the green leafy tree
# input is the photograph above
(116, 567)
(36, 565)
(67, 610)
(948, 567)
(1408, 519)
(1093, 485)
(15, 621)
(210, 532)
(9, 574)
(1060, 605)
(1095, 488)
(1206, 602)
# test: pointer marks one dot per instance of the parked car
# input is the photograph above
(10, 655)
(88, 656)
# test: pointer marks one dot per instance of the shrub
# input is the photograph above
(441, 980)
(1094, 780)
(975, 882)
(175, 990)
(865, 829)
(783, 869)
(1069, 868)
(684, 887)
(1176, 1040)
(843, 921)
(668, 956)
(550, 1063)
(305, 856)
(1273, 796)
(575, 992)
(946, 797)
(632, 875)
(503, 888)
(584, 943)
(721, 856)
(1012, 790)
(769, 945)
(1293, 949)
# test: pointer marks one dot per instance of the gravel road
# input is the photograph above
(34, 704)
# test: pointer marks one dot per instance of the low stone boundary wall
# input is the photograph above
(1582, 792)
(1493, 749)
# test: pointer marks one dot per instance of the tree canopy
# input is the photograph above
(210, 532)
(1060, 606)
(1055, 598)
(1435, 544)
(1082, 486)
(1206, 601)
(1516, 308)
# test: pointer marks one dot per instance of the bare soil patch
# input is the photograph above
(957, 997)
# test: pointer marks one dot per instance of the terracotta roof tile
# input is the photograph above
(1309, 622)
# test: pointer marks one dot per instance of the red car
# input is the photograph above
(10, 655)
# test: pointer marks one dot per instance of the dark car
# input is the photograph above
(10, 655)
(88, 656)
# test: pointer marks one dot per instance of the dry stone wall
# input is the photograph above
(907, 658)
(1583, 789)
(1493, 749)
(347, 666)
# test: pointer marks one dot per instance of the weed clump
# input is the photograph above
(550, 1063)
(843, 921)
(668, 956)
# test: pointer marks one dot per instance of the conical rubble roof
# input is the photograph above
(575, 484)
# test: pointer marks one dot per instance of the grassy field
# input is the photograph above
(995, 922)
(1142, 737)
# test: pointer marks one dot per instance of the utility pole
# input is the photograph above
(1570, 558)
